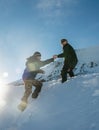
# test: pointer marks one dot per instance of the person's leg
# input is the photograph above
(71, 73)
(28, 91)
(38, 85)
(64, 74)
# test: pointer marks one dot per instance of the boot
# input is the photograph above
(25, 100)
(34, 95)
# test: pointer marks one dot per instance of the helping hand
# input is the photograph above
(55, 56)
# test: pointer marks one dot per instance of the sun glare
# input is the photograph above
(5, 74)
(3, 91)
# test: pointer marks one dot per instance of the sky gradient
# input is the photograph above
(38, 25)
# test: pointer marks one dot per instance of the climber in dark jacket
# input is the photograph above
(33, 66)
(70, 59)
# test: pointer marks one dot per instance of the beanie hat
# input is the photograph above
(37, 54)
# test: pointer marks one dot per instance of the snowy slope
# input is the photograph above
(73, 105)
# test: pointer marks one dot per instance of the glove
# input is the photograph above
(55, 56)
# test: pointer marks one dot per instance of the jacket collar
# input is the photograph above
(65, 45)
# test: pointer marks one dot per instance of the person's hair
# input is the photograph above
(64, 40)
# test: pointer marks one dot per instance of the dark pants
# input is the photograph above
(66, 69)
(28, 89)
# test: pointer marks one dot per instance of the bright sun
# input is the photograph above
(5, 74)
(3, 91)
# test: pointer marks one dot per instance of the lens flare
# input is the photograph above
(18, 70)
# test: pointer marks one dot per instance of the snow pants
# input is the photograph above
(28, 89)
(66, 69)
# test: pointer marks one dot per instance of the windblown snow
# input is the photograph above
(73, 105)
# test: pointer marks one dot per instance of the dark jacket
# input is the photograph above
(70, 56)
(33, 66)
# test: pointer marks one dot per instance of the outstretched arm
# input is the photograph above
(60, 55)
(43, 63)
(40, 71)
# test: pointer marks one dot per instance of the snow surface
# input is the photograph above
(73, 105)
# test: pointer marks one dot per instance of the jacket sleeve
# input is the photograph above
(61, 55)
(43, 63)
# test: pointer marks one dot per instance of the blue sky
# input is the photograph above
(38, 25)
